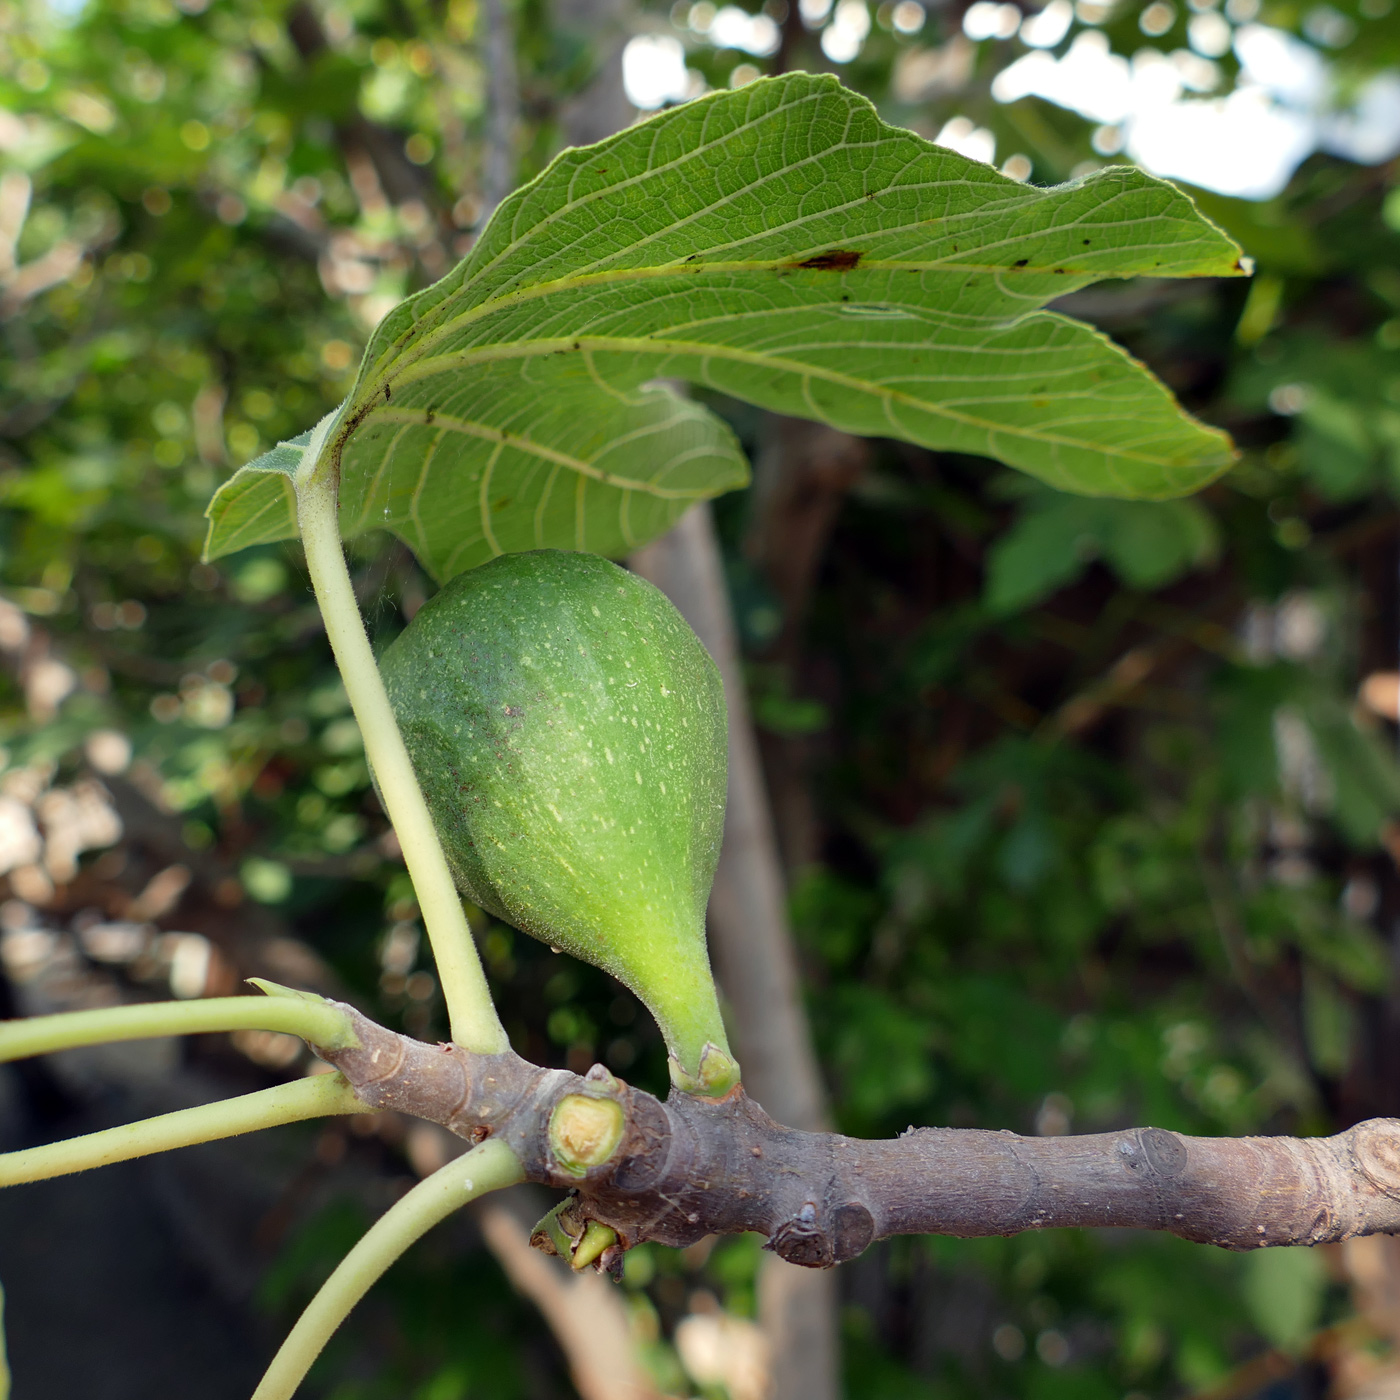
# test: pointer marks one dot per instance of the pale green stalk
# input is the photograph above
(475, 1024)
(485, 1168)
(317, 1021)
(318, 1096)
(4, 1354)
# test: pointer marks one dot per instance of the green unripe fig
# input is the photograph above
(569, 733)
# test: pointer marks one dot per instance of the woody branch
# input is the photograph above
(691, 1167)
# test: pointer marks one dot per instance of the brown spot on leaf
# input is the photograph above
(1020, 262)
(833, 260)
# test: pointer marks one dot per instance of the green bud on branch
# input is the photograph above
(584, 1132)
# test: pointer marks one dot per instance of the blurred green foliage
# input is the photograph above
(1102, 833)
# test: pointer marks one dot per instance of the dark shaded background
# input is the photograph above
(1087, 809)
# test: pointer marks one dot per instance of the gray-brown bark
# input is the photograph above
(691, 1167)
(503, 107)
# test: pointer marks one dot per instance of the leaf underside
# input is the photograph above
(783, 245)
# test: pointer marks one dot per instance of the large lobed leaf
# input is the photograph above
(781, 244)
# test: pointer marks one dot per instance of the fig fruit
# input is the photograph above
(569, 733)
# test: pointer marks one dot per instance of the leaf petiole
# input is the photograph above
(4, 1354)
(486, 1168)
(320, 1095)
(320, 1022)
(475, 1024)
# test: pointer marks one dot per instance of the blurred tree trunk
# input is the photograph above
(803, 473)
(503, 115)
(585, 1312)
(600, 107)
(755, 957)
(753, 947)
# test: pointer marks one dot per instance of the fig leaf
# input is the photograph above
(779, 243)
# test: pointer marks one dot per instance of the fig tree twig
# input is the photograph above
(321, 1095)
(692, 1167)
(678, 1171)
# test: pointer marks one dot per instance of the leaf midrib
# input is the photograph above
(400, 371)
(426, 340)
(653, 345)
(777, 267)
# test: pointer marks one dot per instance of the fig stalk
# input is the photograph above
(475, 1024)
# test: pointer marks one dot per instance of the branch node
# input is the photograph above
(1165, 1151)
(802, 1240)
(1376, 1147)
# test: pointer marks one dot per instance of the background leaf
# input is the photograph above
(783, 245)
(1283, 1290)
(1146, 544)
